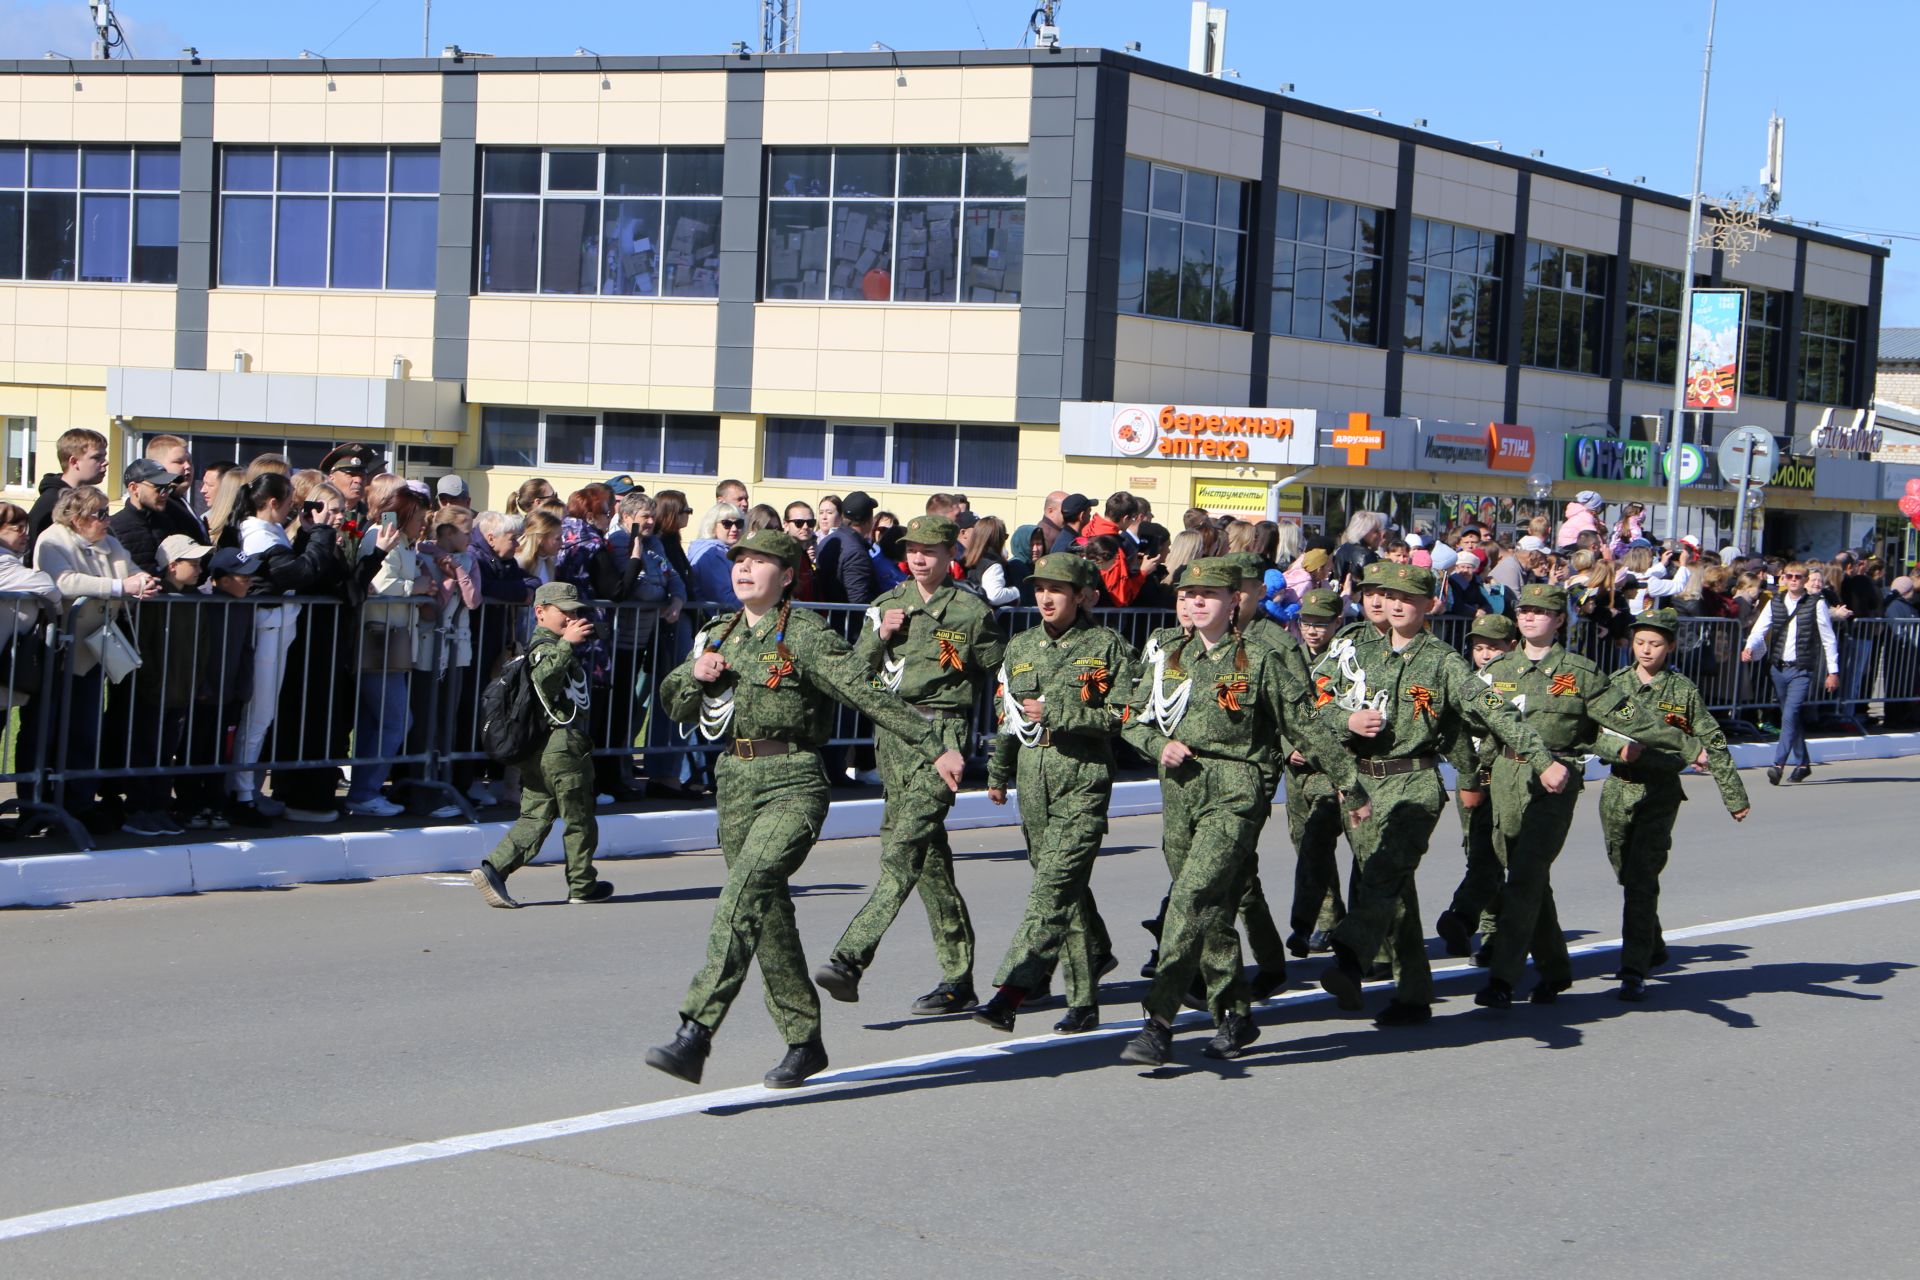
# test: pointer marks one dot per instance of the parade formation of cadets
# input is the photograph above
(1355, 719)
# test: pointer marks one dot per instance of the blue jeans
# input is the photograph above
(379, 730)
(1791, 685)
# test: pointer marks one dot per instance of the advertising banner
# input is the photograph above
(1202, 433)
(1715, 348)
(1509, 447)
(1231, 498)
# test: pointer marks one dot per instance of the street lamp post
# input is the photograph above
(1686, 291)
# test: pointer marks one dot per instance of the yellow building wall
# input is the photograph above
(882, 105)
(956, 364)
(90, 108)
(584, 353)
(68, 334)
(330, 332)
(55, 410)
(307, 108)
(589, 108)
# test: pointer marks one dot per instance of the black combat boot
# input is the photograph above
(1152, 966)
(1455, 932)
(1078, 1018)
(802, 1060)
(1633, 987)
(839, 979)
(1546, 992)
(1152, 1047)
(1319, 942)
(686, 1055)
(999, 1012)
(1497, 994)
(1299, 945)
(1397, 1014)
(1342, 978)
(1235, 1034)
(948, 997)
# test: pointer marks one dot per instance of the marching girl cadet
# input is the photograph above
(1063, 692)
(1402, 699)
(1208, 707)
(1490, 638)
(1663, 711)
(1313, 811)
(761, 685)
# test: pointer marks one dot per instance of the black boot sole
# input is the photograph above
(1454, 933)
(1070, 1026)
(1344, 988)
(835, 984)
(661, 1060)
(795, 1082)
(1145, 1055)
(986, 1019)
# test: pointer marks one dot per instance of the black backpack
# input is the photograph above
(512, 720)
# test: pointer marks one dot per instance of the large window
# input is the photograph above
(1563, 313)
(240, 450)
(1326, 268)
(937, 455)
(1183, 244)
(1828, 341)
(634, 222)
(906, 224)
(329, 217)
(1453, 290)
(1766, 343)
(1653, 323)
(674, 444)
(107, 215)
(20, 446)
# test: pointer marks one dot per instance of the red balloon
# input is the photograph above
(1910, 506)
(1913, 487)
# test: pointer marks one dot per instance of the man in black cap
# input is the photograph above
(1075, 511)
(348, 468)
(151, 514)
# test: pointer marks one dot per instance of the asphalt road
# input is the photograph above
(1754, 1118)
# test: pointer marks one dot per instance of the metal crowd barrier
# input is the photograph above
(232, 692)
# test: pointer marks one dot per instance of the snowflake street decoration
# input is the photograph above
(1734, 227)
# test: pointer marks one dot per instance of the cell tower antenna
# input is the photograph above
(107, 35)
(1043, 24)
(779, 26)
(1772, 176)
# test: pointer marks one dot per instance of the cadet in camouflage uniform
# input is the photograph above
(1209, 708)
(1313, 811)
(556, 777)
(1564, 699)
(761, 683)
(935, 647)
(1077, 675)
(1491, 635)
(1402, 699)
(1663, 711)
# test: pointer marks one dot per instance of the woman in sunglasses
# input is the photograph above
(719, 530)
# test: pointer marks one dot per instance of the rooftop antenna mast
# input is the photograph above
(107, 35)
(1043, 24)
(1207, 40)
(779, 26)
(1771, 176)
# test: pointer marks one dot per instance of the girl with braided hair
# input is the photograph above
(761, 685)
(1210, 708)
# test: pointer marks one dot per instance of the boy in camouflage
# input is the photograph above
(1403, 699)
(1063, 691)
(1313, 811)
(556, 777)
(1208, 707)
(761, 684)
(1663, 711)
(935, 647)
(1491, 637)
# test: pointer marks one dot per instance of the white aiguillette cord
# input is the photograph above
(1013, 716)
(1164, 709)
(891, 668)
(716, 709)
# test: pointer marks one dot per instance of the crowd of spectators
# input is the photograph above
(245, 639)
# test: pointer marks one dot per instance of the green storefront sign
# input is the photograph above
(1606, 459)
(1795, 473)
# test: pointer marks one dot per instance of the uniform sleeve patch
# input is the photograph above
(1021, 668)
(1493, 700)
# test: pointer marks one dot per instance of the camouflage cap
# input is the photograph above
(1544, 595)
(1658, 620)
(1214, 571)
(1250, 564)
(1321, 604)
(1493, 626)
(1064, 567)
(1370, 576)
(1413, 579)
(769, 542)
(931, 531)
(561, 595)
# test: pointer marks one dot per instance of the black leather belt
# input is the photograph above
(1045, 739)
(755, 748)
(1388, 768)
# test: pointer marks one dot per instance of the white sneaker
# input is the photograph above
(269, 807)
(483, 794)
(603, 799)
(378, 807)
(446, 812)
(317, 817)
(867, 777)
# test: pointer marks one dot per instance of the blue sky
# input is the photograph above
(1613, 84)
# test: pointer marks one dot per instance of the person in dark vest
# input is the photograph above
(1785, 633)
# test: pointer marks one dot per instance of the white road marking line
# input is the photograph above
(546, 1130)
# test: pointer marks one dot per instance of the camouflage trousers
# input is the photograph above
(1387, 849)
(1477, 897)
(555, 782)
(914, 854)
(1530, 826)
(1314, 823)
(1636, 819)
(1211, 814)
(770, 811)
(1063, 816)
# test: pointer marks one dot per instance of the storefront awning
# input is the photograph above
(296, 400)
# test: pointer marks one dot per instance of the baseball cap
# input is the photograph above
(1531, 543)
(1591, 500)
(451, 486)
(1690, 540)
(857, 507)
(1075, 505)
(1321, 603)
(147, 471)
(1064, 567)
(232, 561)
(1214, 571)
(180, 547)
(1493, 626)
(561, 595)
(966, 520)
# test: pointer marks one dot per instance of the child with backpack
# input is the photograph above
(545, 692)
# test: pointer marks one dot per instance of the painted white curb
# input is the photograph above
(311, 858)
